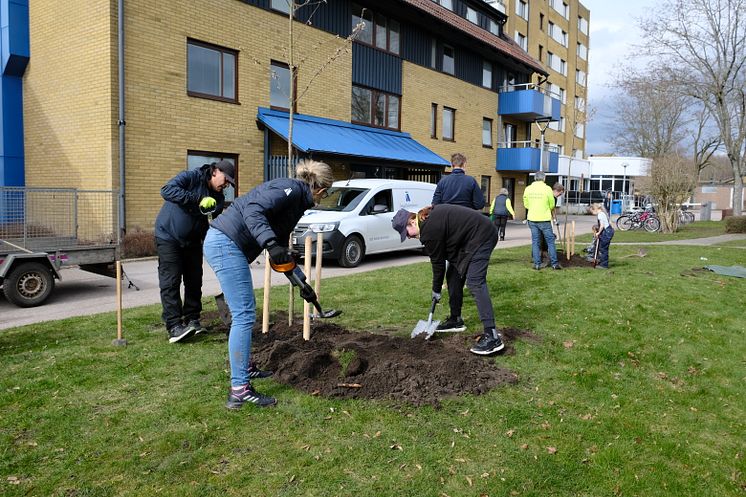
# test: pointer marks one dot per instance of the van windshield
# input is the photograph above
(342, 199)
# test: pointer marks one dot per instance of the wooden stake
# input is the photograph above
(306, 305)
(119, 341)
(572, 243)
(267, 283)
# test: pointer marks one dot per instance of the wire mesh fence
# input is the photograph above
(48, 219)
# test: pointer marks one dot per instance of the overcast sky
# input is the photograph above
(613, 32)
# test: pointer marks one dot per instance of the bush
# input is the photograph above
(138, 243)
(735, 224)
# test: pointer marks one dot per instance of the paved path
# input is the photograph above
(711, 240)
(80, 293)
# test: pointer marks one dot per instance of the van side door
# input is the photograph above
(376, 217)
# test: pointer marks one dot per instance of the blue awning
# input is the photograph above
(328, 136)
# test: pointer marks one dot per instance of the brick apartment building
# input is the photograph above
(207, 79)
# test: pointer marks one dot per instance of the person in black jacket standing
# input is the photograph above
(261, 219)
(465, 238)
(458, 188)
(180, 228)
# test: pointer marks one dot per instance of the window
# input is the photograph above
(557, 92)
(580, 130)
(433, 52)
(281, 6)
(211, 71)
(494, 27)
(582, 51)
(521, 40)
(541, 53)
(557, 34)
(433, 120)
(521, 9)
(484, 185)
(449, 122)
(448, 4)
(279, 85)
(487, 74)
(558, 125)
(541, 22)
(509, 135)
(379, 31)
(580, 103)
(580, 77)
(556, 63)
(196, 159)
(487, 132)
(471, 15)
(375, 108)
(448, 59)
(560, 7)
(582, 25)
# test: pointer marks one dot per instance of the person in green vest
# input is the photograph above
(539, 201)
(500, 209)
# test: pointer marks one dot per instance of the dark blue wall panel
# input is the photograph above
(376, 69)
(334, 16)
(468, 66)
(14, 47)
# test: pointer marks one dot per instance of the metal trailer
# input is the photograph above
(43, 230)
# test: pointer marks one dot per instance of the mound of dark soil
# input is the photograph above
(340, 363)
(575, 261)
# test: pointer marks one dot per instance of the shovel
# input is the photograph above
(426, 326)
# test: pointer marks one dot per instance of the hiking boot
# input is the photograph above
(256, 373)
(179, 333)
(237, 398)
(196, 326)
(452, 324)
(489, 343)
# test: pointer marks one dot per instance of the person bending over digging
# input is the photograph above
(261, 219)
(465, 238)
(603, 233)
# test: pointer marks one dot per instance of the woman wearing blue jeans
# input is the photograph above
(262, 219)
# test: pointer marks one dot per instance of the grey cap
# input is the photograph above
(399, 223)
(228, 169)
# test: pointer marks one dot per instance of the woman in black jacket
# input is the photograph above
(465, 238)
(261, 219)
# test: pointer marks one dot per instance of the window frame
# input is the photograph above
(488, 67)
(374, 93)
(434, 120)
(473, 13)
(453, 59)
(491, 130)
(452, 112)
(521, 9)
(373, 21)
(222, 51)
(283, 10)
(293, 81)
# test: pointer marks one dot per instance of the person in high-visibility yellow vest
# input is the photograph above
(539, 201)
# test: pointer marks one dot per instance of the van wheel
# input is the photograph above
(353, 252)
(28, 284)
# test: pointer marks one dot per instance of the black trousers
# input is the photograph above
(500, 223)
(177, 263)
(476, 281)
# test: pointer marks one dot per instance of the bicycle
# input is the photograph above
(645, 219)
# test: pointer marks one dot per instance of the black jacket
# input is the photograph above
(453, 233)
(459, 189)
(180, 219)
(268, 212)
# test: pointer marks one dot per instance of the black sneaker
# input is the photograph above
(236, 399)
(179, 333)
(489, 343)
(196, 326)
(256, 373)
(452, 324)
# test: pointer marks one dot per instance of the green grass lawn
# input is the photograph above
(636, 387)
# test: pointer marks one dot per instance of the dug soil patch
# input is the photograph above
(343, 364)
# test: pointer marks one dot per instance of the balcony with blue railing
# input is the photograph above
(528, 102)
(526, 156)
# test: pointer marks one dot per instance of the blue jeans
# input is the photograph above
(234, 274)
(542, 229)
(604, 240)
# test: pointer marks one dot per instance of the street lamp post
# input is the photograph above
(625, 190)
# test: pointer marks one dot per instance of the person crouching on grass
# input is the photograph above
(603, 233)
(465, 238)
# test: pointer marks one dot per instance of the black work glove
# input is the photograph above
(278, 254)
(307, 293)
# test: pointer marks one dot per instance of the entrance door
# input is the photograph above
(509, 183)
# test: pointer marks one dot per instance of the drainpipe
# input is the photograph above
(121, 122)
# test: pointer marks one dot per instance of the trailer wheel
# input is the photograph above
(28, 284)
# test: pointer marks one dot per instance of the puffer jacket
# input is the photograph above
(268, 212)
(458, 188)
(180, 219)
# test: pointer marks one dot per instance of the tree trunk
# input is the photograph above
(737, 194)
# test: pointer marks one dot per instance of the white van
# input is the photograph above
(356, 218)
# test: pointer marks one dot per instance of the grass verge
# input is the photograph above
(636, 388)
